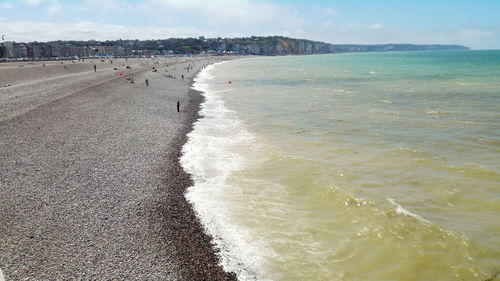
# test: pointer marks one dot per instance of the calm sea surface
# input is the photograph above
(375, 166)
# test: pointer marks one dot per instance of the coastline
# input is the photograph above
(194, 247)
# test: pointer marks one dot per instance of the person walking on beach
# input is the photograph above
(178, 106)
(147, 83)
(95, 68)
(182, 76)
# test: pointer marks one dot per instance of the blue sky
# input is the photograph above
(472, 23)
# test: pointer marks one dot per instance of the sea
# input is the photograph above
(359, 166)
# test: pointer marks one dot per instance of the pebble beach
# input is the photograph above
(90, 182)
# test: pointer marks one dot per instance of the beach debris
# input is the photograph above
(5, 85)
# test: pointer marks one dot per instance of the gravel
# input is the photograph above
(90, 183)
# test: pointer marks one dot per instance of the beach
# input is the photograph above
(374, 166)
(90, 183)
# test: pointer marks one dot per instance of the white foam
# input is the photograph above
(2, 278)
(402, 211)
(210, 156)
(439, 112)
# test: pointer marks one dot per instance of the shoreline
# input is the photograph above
(193, 245)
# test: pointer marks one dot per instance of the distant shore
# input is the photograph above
(254, 45)
(91, 183)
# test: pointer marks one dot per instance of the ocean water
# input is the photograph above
(374, 166)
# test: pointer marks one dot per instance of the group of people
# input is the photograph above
(146, 81)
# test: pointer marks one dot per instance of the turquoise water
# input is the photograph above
(375, 166)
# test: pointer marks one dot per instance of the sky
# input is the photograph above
(475, 24)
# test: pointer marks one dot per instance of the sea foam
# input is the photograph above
(402, 211)
(210, 156)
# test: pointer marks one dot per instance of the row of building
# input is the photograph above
(35, 50)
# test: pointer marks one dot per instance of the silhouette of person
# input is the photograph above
(95, 68)
(178, 106)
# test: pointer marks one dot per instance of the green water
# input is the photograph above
(377, 166)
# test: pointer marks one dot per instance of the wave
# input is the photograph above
(402, 211)
(210, 156)
(439, 112)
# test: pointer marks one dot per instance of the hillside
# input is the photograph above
(266, 46)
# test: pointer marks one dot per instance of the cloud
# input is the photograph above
(158, 19)
(330, 12)
(107, 5)
(473, 34)
(32, 2)
(242, 12)
(54, 9)
(26, 31)
(376, 26)
(148, 19)
(5, 6)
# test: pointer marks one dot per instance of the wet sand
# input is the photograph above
(90, 183)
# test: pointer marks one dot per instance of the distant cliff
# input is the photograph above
(272, 46)
(265, 46)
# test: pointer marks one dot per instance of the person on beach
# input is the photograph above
(178, 106)
(182, 76)
(95, 68)
(147, 83)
